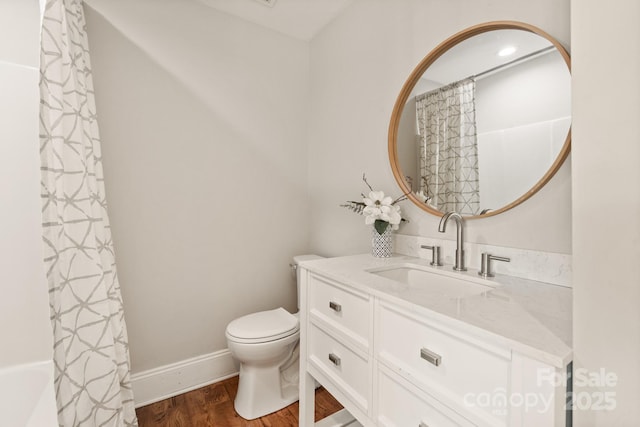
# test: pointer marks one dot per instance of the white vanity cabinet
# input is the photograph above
(338, 324)
(394, 363)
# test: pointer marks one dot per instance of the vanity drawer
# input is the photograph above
(401, 404)
(460, 373)
(346, 310)
(348, 370)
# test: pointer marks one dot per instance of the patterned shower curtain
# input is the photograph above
(446, 120)
(91, 355)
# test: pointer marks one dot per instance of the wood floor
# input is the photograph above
(213, 406)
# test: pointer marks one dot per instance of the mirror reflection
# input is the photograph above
(485, 123)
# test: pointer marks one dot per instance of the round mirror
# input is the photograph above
(484, 121)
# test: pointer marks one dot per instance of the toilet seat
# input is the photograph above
(263, 326)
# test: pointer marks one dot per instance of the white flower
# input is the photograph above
(372, 213)
(377, 198)
(370, 218)
(394, 216)
(372, 210)
(378, 208)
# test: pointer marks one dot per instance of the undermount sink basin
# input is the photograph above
(448, 284)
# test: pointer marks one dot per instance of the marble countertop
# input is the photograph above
(529, 317)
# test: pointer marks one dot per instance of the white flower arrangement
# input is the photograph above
(380, 210)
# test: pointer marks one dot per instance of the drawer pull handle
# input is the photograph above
(430, 357)
(334, 359)
(335, 306)
(423, 425)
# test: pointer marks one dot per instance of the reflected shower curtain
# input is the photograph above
(446, 119)
(91, 355)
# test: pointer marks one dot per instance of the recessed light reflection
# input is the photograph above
(506, 51)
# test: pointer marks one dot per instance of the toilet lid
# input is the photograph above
(264, 325)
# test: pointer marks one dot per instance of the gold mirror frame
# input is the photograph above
(420, 70)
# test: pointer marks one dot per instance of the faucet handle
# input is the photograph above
(435, 254)
(485, 264)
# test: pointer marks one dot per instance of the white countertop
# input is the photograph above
(529, 317)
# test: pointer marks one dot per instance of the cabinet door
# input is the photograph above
(401, 404)
(542, 391)
(348, 371)
(344, 310)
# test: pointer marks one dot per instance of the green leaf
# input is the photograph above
(380, 226)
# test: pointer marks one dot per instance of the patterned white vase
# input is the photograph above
(381, 244)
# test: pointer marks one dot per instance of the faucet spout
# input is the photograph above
(459, 264)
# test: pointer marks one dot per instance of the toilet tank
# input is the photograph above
(296, 262)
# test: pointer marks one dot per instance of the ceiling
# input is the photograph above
(300, 19)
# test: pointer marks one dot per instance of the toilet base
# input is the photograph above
(268, 368)
(262, 391)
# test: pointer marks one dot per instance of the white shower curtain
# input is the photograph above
(91, 355)
(446, 120)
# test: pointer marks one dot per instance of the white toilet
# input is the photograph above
(266, 345)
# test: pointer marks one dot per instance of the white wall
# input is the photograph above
(537, 90)
(25, 331)
(358, 66)
(202, 119)
(606, 203)
(523, 115)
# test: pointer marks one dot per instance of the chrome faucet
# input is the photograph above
(459, 265)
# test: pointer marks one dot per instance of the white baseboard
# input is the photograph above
(171, 380)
